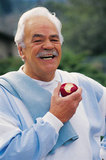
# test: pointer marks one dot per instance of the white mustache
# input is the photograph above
(47, 52)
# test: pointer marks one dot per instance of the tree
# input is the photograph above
(85, 26)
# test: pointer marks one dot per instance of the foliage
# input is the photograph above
(85, 27)
(76, 63)
(10, 64)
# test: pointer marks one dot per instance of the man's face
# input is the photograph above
(42, 52)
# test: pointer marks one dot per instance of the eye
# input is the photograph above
(37, 40)
(55, 40)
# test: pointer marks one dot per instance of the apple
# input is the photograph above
(67, 89)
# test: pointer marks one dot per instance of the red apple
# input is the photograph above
(67, 89)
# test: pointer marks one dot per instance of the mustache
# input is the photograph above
(47, 52)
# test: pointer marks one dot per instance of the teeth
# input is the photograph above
(47, 57)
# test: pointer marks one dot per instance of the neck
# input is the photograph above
(42, 77)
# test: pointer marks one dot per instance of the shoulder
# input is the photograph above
(67, 76)
(81, 77)
(85, 82)
(92, 87)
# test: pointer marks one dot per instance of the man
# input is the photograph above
(35, 121)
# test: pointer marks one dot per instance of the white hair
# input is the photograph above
(38, 11)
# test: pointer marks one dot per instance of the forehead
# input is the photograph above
(40, 25)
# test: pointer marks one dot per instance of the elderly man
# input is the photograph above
(36, 123)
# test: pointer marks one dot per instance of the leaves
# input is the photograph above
(10, 64)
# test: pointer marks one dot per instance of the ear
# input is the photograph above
(21, 52)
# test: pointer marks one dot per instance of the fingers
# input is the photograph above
(65, 107)
(77, 95)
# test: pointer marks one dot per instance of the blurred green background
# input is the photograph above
(84, 31)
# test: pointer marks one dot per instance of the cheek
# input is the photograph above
(35, 50)
(59, 47)
(59, 51)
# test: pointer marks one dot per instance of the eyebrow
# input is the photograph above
(54, 36)
(37, 35)
(40, 35)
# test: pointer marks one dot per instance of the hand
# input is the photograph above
(65, 107)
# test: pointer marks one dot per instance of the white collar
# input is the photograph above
(44, 83)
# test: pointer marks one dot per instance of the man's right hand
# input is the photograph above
(64, 107)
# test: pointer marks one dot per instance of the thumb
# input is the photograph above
(57, 89)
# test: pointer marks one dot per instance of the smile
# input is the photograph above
(47, 57)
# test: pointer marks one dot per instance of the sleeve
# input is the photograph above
(103, 149)
(54, 121)
(100, 92)
(17, 143)
(103, 142)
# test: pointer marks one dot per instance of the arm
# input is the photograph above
(32, 143)
(100, 93)
(18, 143)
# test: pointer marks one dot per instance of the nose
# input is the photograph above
(48, 45)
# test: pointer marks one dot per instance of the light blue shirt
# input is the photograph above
(21, 139)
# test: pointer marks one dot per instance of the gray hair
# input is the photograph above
(38, 11)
